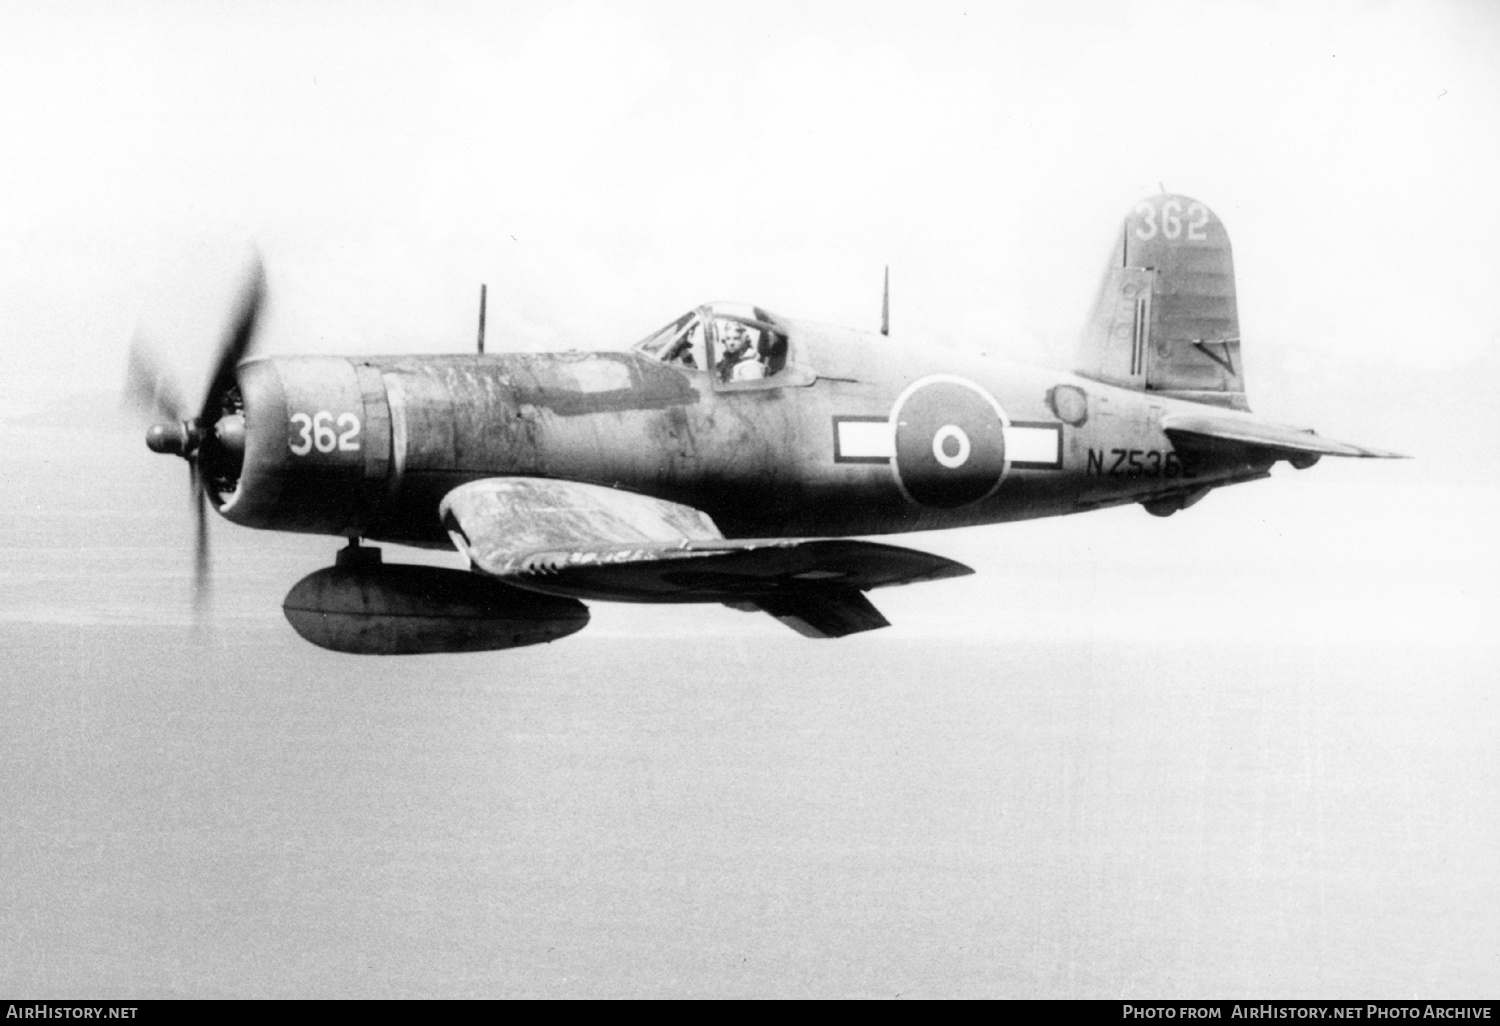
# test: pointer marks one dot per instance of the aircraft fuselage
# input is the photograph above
(882, 437)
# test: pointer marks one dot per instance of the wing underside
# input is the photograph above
(585, 541)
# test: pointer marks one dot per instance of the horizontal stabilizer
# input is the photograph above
(1217, 433)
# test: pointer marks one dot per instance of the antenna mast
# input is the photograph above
(885, 304)
(483, 290)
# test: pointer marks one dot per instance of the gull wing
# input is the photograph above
(586, 541)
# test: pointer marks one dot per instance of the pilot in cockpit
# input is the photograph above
(741, 359)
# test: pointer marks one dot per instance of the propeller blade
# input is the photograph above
(150, 389)
(201, 580)
(185, 434)
(236, 342)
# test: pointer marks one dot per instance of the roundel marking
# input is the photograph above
(950, 446)
(950, 442)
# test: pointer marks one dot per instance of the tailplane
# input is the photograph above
(1166, 320)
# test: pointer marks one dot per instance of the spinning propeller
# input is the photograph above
(212, 437)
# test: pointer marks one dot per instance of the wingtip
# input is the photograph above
(1365, 452)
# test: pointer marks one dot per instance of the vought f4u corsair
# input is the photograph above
(729, 457)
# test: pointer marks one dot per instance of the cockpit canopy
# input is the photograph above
(738, 345)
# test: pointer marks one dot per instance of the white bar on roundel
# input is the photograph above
(866, 439)
(1027, 444)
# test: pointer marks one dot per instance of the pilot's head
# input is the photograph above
(736, 338)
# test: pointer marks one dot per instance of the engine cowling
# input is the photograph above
(362, 447)
(364, 606)
(316, 446)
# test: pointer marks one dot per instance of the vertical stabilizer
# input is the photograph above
(1165, 320)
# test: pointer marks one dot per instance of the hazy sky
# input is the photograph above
(603, 165)
(1245, 750)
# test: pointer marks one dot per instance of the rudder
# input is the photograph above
(1166, 320)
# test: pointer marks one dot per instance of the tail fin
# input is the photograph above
(1165, 320)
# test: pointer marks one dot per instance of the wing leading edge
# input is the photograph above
(586, 541)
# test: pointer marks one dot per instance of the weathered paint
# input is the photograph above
(760, 460)
(570, 538)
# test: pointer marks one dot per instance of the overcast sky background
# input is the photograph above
(1248, 749)
(603, 165)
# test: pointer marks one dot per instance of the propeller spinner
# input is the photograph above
(212, 438)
